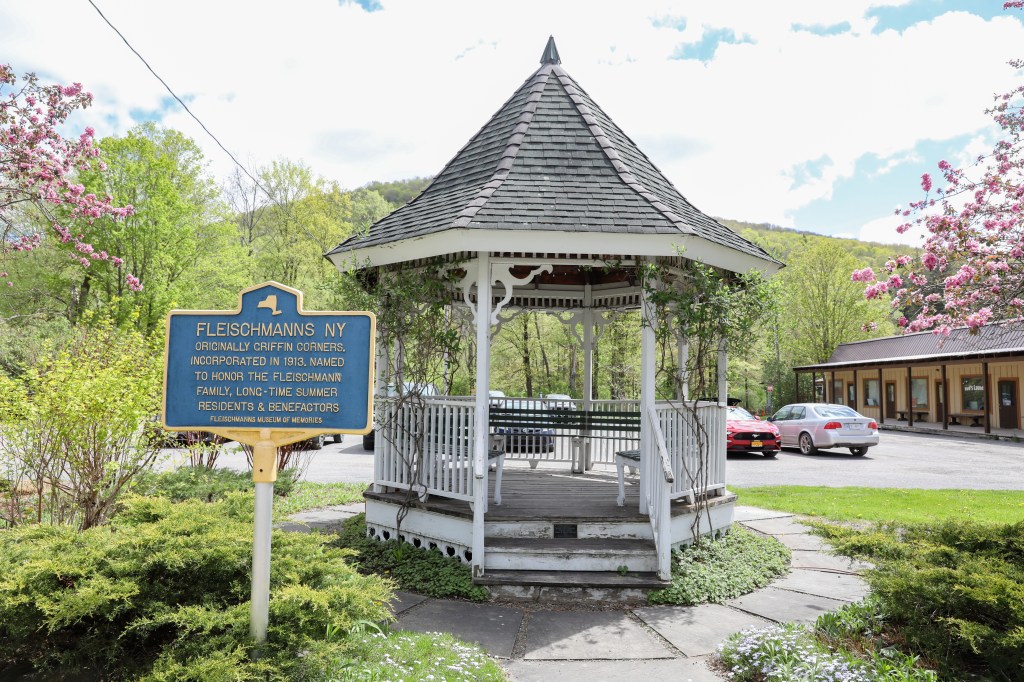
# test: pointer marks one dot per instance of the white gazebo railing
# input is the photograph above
(443, 430)
(685, 427)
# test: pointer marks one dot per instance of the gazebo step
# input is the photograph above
(570, 554)
(585, 528)
(645, 580)
(571, 587)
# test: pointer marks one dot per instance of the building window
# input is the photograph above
(919, 393)
(973, 390)
(871, 392)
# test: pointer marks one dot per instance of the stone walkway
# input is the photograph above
(538, 643)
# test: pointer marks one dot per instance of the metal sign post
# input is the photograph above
(268, 374)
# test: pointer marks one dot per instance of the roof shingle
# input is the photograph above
(550, 159)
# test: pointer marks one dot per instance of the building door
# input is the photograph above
(851, 396)
(890, 400)
(1006, 389)
(940, 412)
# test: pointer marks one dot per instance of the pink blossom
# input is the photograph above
(926, 182)
(865, 275)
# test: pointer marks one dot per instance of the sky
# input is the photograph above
(808, 114)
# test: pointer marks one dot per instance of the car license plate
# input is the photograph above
(856, 427)
(756, 443)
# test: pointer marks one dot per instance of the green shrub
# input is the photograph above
(72, 427)
(208, 485)
(954, 592)
(420, 570)
(713, 571)
(163, 590)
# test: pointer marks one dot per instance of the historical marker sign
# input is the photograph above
(269, 365)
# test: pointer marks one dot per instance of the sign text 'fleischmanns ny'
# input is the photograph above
(269, 365)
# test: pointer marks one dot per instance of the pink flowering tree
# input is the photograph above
(970, 270)
(39, 196)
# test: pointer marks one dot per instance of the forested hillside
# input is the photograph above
(194, 242)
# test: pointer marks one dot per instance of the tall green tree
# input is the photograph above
(178, 242)
(821, 306)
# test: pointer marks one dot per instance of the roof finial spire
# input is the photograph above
(550, 55)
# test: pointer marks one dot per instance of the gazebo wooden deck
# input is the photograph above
(550, 207)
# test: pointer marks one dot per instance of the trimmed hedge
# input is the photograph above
(952, 592)
(162, 593)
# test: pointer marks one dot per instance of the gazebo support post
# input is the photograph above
(588, 374)
(648, 357)
(480, 421)
(723, 371)
(683, 353)
(379, 391)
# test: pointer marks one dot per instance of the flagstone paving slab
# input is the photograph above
(778, 526)
(677, 670)
(589, 635)
(697, 630)
(743, 513)
(803, 541)
(824, 584)
(784, 605)
(493, 627)
(826, 562)
(403, 601)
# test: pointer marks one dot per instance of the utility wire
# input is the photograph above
(201, 124)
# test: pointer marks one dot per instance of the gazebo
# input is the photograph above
(551, 207)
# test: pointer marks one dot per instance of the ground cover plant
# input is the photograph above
(947, 591)
(737, 563)
(796, 653)
(418, 569)
(952, 593)
(410, 656)
(897, 505)
(161, 592)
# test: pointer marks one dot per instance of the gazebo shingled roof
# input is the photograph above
(551, 160)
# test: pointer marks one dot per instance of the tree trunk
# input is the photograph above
(527, 372)
(543, 354)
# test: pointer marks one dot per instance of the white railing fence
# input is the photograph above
(657, 485)
(695, 470)
(442, 429)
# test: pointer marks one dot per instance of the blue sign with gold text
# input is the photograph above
(269, 365)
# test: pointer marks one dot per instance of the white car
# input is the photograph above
(814, 426)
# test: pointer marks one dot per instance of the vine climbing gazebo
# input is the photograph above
(550, 207)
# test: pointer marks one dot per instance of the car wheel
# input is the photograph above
(318, 442)
(368, 441)
(859, 451)
(770, 455)
(337, 437)
(806, 444)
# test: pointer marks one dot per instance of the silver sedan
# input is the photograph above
(814, 426)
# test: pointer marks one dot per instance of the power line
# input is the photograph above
(175, 96)
(201, 124)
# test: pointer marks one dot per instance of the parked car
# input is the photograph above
(746, 433)
(814, 426)
(525, 438)
(317, 442)
(409, 387)
(154, 430)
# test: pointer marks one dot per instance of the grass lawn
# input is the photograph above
(902, 505)
(308, 495)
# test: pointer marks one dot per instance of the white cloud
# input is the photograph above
(390, 94)
(883, 230)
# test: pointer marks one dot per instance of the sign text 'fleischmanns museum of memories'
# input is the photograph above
(269, 365)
